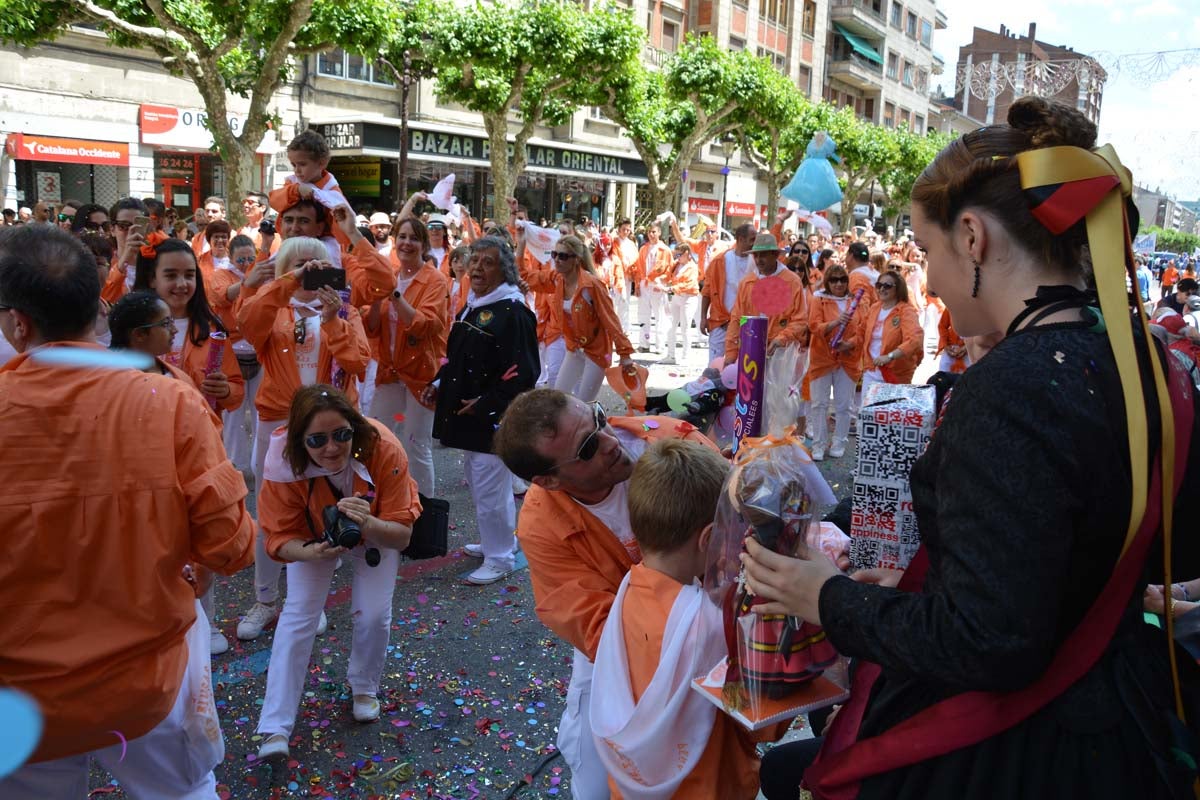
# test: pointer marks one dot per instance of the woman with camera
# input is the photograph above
(335, 484)
(301, 339)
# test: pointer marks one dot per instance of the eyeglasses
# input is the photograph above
(557, 256)
(96, 226)
(166, 323)
(489, 231)
(244, 260)
(123, 224)
(591, 445)
(885, 285)
(839, 280)
(341, 436)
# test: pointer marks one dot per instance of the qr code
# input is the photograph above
(888, 451)
(883, 529)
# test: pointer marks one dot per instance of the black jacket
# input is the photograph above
(492, 354)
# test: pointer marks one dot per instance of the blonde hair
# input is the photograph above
(879, 261)
(673, 493)
(581, 251)
(293, 250)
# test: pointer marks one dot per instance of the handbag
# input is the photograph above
(431, 530)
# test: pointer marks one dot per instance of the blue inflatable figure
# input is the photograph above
(814, 186)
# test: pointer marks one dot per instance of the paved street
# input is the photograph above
(473, 689)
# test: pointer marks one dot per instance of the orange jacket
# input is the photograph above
(714, 289)
(684, 279)
(653, 261)
(576, 564)
(459, 300)
(217, 290)
(624, 256)
(282, 505)
(592, 324)
(703, 257)
(860, 279)
(413, 354)
(728, 767)
(94, 626)
(114, 287)
(268, 323)
(784, 328)
(194, 360)
(901, 331)
(539, 278)
(946, 333)
(821, 360)
(1170, 276)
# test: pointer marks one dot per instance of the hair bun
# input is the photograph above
(1050, 124)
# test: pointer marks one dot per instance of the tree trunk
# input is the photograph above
(239, 179)
(503, 181)
(772, 197)
(660, 197)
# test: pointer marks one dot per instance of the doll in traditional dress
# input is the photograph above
(814, 186)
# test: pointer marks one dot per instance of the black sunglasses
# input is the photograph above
(123, 224)
(557, 256)
(885, 285)
(591, 445)
(839, 280)
(341, 436)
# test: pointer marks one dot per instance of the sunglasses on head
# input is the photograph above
(591, 445)
(341, 436)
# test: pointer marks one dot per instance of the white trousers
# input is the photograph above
(495, 510)
(415, 432)
(589, 779)
(266, 569)
(621, 306)
(681, 308)
(716, 343)
(650, 314)
(240, 425)
(308, 587)
(175, 759)
(580, 376)
(842, 386)
(366, 387)
(552, 357)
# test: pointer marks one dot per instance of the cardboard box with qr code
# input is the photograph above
(894, 426)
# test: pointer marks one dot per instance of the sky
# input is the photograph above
(1153, 120)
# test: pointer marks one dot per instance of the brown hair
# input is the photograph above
(879, 261)
(799, 264)
(419, 230)
(215, 227)
(307, 402)
(529, 418)
(833, 271)
(979, 170)
(901, 284)
(673, 493)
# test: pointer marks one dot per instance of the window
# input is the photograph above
(705, 187)
(907, 75)
(919, 124)
(776, 11)
(910, 24)
(340, 64)
(893, 66)
(926, 32)
(922, 81)
(736, 44)
(902, 118)
(597, 113)
(804, 81)
(897, 12)
(777, 59)
(809, 23)
(670, 36)
(868, 110)
(889, 115)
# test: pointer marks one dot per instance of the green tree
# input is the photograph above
(702, 93)
(1172, 241)
(776, 136)
(223, 48)
(916, 151)
(867, 151)
(539, 59)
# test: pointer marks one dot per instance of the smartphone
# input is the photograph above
(332, 277)
(141, 224)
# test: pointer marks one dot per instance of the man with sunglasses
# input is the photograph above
(104, 633)
(574, 529)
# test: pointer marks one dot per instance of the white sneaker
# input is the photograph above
(818, 454)
(366, 708)
(217, 643)
(275, 748)
(491, 571)
(668, 361)
(322, 624)
(838, 450)
(258, 617)
(473, 550)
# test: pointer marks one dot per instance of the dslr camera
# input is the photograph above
(341, 531)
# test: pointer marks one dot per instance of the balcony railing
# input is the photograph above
(654, 56)
(854, 59)
(865, 6)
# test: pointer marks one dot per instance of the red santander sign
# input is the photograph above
(703, 205)
(734, 209)
(23, 146)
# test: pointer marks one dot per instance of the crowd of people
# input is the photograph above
(316, 355)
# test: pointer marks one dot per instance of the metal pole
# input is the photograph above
(724, 194)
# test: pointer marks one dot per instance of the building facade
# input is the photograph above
(997, 68)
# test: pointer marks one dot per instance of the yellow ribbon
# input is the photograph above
(1112, 261)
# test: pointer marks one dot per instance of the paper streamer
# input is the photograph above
(539, 241)
(442, 195)
(837, 335)
(752, 358)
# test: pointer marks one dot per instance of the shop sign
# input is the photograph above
(174, 165)
(538, 157)
(358, 177)
(342, 135)
(734, 209)
(703, 205)
(67, 151)
(187, 127)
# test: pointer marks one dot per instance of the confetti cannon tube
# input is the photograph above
(837, 335)
(216, 352)
(751, 365)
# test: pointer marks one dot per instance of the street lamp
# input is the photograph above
(728, 148)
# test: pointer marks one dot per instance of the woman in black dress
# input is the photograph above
(1024, 501)
(491, 357)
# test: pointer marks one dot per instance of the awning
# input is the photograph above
(861, 47)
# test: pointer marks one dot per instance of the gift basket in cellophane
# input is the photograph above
(777, 666)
